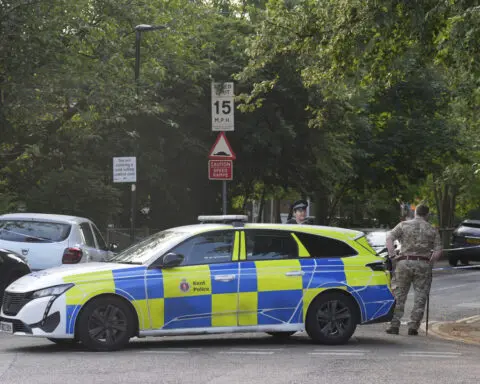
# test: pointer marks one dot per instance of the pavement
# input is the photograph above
(371, 356)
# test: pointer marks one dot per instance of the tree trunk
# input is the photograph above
(262, 204)
(445, 200)
(322, 204)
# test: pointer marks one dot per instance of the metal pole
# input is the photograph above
(132, 229)
(428, 308)
(134, 187)
(137, 56)
(224, 196)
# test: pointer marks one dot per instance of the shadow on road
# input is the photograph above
(204, 342)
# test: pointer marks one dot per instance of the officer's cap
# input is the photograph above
(299, 204)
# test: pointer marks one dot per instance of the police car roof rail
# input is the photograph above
(235, 220)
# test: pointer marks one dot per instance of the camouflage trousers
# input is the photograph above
(408, 272)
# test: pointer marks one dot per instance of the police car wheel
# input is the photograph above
(281, 335)
(331, 319)
(105, 324)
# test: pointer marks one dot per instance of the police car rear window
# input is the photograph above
(27, 231)
(319, 246)
(270, 245)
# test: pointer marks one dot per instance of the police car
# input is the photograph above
(222, 275)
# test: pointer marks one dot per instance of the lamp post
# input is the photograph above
(138, 34)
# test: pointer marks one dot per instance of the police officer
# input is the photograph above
(413, 265)
(298, 213)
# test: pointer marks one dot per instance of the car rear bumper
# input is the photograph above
(383, 319)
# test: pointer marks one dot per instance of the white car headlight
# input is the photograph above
(56, 290)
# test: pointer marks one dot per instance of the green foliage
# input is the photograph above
(359, 105)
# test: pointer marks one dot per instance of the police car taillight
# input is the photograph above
(72, 255)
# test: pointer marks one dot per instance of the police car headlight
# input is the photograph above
(56, 290)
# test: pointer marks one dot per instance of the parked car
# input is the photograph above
(465, 243)
(12, 267)
(210, 278)
(377, 238)
(47, 240)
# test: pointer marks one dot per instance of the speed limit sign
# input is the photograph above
(222, 107)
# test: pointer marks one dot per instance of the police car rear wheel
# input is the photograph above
(106, 324)
(331, 319)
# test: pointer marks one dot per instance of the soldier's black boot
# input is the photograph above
(412, 332)
(393, 330)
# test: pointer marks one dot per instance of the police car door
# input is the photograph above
(270, 279)
(202, 292)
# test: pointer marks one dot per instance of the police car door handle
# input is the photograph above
(295, 273)
(224, 277)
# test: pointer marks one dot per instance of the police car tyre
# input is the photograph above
(453, 261)
(106, 324)
(281, 335)
(332, 318)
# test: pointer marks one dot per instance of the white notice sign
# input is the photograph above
(222, 106)
(124, 169)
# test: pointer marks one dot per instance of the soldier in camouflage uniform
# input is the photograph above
(413, 266)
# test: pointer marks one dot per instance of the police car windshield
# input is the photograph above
(152, 246)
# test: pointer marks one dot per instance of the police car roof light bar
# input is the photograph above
(225, 219)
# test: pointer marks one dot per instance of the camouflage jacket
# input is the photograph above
(417, 237)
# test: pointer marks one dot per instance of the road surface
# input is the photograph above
(371, 356)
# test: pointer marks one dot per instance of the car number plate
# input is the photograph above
(473, 241)
(6, 327)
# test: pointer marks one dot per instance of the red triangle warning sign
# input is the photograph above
(221, 149)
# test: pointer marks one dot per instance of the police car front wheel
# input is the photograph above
(105, 324)
(331, 318)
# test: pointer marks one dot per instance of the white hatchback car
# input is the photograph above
(47, 240)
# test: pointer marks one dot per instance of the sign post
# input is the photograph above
(125, 171)
(220, 165)
(222, 120)
(222, 107)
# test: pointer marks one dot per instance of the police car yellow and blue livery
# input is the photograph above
(209, 278)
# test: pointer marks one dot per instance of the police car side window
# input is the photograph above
(207, 248)
(319, 246)
(270, 245)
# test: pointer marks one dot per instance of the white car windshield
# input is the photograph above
(153, 246)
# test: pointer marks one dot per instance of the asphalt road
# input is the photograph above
(371, 356)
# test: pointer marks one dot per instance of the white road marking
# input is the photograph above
(432, 353)
(469, 305)
(436, 355)
(248, 352)
(450, 287)
(258, 349)
(336, 353)
(342, 350)
(167, 352)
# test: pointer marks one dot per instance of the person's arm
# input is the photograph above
(394, 234)
(437, 248)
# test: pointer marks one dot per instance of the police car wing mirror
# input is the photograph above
(171, 260)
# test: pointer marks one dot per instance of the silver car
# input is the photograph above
(47, 240)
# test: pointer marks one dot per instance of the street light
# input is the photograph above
(138, 32)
